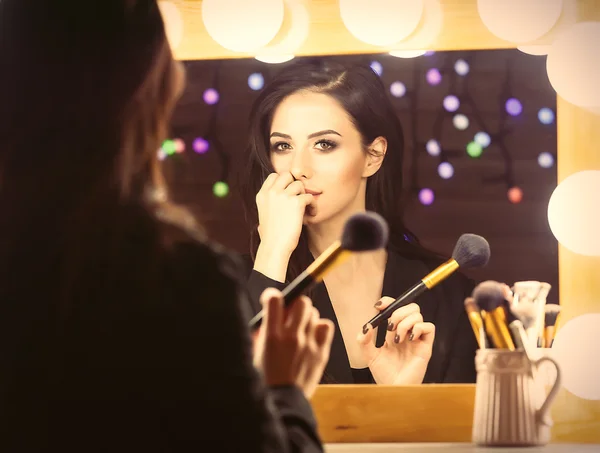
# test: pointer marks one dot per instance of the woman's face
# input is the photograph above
(313, 137)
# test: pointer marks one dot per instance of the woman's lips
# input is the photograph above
(312, 192)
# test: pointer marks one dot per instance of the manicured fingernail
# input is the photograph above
(390, 326)
(397, 339)
(365, 329)
(378, 304)
(411, 336)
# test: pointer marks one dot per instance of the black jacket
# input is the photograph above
(454, 347)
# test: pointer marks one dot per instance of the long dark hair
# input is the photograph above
(85, 107)
(362, 94)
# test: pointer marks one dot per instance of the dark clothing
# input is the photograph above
(453, 357)
(153, 355)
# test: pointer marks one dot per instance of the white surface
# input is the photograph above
(433, 447)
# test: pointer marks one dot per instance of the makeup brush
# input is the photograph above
(474, 314)
(490, 297)
(470, 251)
(363, 232)
(552, 311)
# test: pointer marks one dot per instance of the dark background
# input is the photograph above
(474, 200)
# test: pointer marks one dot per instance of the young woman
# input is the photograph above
(121, 328)
(324, 144)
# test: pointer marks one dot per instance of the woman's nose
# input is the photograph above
(301, 167)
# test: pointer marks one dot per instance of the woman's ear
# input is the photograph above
(375, 155)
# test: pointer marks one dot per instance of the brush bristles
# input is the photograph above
(365, 231)
(551, 313)
(489, 295)
(471, 250)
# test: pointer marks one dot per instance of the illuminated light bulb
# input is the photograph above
(474, 149)
(513, 107)
(242, 26)
(274, 59)
(220, 189)
(426, 196)
(211, 96)
(515, 195)
(546, 115)
(200, 145)
(451, 103)
(545, 160)
(519, 21)
(256, 81)
(433, 76)
(445, 170)
(395, 20)
(573, 213)
(433, 147)
(407, 53)
(460, 121)
(576, 348)
(377, 67)
(461, 67)
(483, 139)
(398, 89)
(179, 145)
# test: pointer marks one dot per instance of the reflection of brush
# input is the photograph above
(550, 316)
(476, 322)
(490, 297)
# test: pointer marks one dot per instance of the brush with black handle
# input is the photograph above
(363, 232)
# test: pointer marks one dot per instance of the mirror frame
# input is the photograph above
(440, 413)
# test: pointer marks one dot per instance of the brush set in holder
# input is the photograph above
(513, 391)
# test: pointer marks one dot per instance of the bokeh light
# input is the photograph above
(474, 149)
(398, 89)
(433, 147)
(426, 196)
(179, 145)
(545, 159)
(220, 189)
(200, 145)
(169, 147)
(546, 115)
(461, 67)
(451, 103)
(377, 67)
(515, 195)
(161, 154)
(256, 81)
(460, 121)
(483, 138)
(513, 107)
(429, 53)
(211, 96)
(433, 76)
(445, 170)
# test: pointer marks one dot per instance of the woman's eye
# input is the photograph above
(280, 146)
(325, 145)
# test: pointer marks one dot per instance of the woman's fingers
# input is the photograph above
(269, 181)
(397, 317)
(424, 331)
(405, 326)
(294, 188)
(272, 302)
(282, 181)
(383, 303)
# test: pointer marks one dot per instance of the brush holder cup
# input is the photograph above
(512, 407)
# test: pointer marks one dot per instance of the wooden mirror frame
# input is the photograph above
(440, 413)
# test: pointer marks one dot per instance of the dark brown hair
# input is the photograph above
(362, 94)
(85, 107)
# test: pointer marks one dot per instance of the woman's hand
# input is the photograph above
(293, 344)
(281, 203)
(404, 356)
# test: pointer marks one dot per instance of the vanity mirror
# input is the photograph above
(489, 194)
